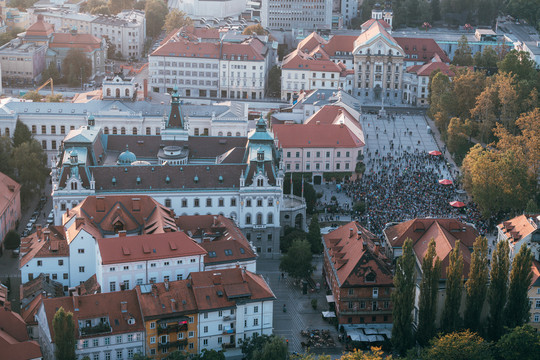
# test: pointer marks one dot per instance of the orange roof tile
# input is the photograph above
(315, 135)
(535, 274)
(86, 42)
(185, 48)
(519, 227)
(157, 300)
(40, 28)
(9, 189)
(161, 246)
(424, 49)
(298, 60)
(351, 251)
(48, 242)
(427, 68)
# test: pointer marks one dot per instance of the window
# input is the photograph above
(536, 317)
(81, 269)
(350, 305)
(255, 322)
(191, 346)
(85, 344)
(184, 203)
(209, 202)
(205, 329)
(163, 339)
(65, 276)
(168, 203)
(255, 309)
(220, 313)
(351, 291)
(537, 306)
(119, 339)
(119, 354)
(39, 263)
(43, 129)
(248, 202)
(80, 251)
(271, 202)
(233, 202)
(108, 355)
(205, 342)
(107, 341)
(270, 218)
(153, 325)
(191, 319)
(130, 351)
(191, 334)
(196, 202)
(95, 342)
(375, 293)
(248, 219)
(112, 286)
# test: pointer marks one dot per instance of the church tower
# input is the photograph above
(174, 127)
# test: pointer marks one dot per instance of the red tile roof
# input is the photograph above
(310, 42)
(48, 242)
(222, 288)
(313, 135)
(519, 227)
(40, 28)
(352, 251)
(216, 234)
(9, 188)
(183, 48)
(344, 43)
(535, 274)
(157, 300)
(86, 42)
(251, 49)
(14, 341)
(298, 60)
(427, 68)
(424, 49)
(147, 247)
(445, 232)
(370, 22)
(118, 306)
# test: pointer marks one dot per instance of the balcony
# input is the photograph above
(228, 330)
(228, 345)
(173, 328)
(100, 328)
(259, 226)
(229, 317)
(180, 344)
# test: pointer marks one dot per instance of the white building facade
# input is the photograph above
(297, 14)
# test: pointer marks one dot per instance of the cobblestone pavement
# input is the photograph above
(300, 315)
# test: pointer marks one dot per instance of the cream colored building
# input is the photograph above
(534, 296)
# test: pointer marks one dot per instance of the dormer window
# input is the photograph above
(370, 277)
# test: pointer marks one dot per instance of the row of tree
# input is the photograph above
(23, 159)
(505, 291)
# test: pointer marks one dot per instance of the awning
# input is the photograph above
(330, 298)
(328, 314)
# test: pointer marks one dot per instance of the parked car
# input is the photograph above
(15, 252)
(29, 228)
(50, 218)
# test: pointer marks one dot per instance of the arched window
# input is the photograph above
(109, 92)
(259, 219)
(73, 186)
(117, 92)
(7, 132)
(260, 182)
(220, 133)
(123, 131)
(238, 133)
(148, 131)
(106, 130)
(270, 218)
(229, 133)
(127, 92)
(134, 131)
(114, 130)
(370, 277)
(248, 219)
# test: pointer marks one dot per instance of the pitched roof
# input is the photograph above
(371, 21)
(353, 252)
(535, 282)
(39, 285)
(9, 188)
(222, 288)
(86, 42)
(48, 242)
(316, 135)
(89, 287)
(427, 68)
(343, 43)
(14, 341)
(183, 48)
(117, 306)
(40, 28)
(376, 29)
(425, 49)
(299, 60)
(219, 236)
(147, 247)
(519, 227)
(162, 300)
(251, 49)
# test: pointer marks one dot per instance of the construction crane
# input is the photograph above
(50, 81)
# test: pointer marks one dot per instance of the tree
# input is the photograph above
(33, 95)
(9, 35)
(140, 5)
(310, 195)
(435, 10)
(64, 335)
(403, 299)
(429, 286)
(255, 29)
(12, 240)
(518, 63)
(375, 354)
(463, 345)
(156, 11)
(29, 162)
(51, 72)
(521, 343)
(291, 234)
(22, 134)
(209, 355)
(274, 82)
(76, 65)
(274, 349)
(517, 307)
(177, 355)
(297, 261)
(314, 235)
(476, 285)
(255, 343)
(498, 288)
(6, 150)
(176, 19)
(486, 59)
(463, 53)
(458, 139)
(454, 284)
(116, 6)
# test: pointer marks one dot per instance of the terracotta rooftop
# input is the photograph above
(162, 300)
(370, 22)
(424, 49)
(89, 287)
(219, 236)
(119, 307)
(535, 282)
(40, 28)
(445, 232)
(354, 253)
(298, 60)
(39, 285)
(9, 188)
(316, 135)
(429, 67)
(223, 288)
(48, 242)
(14, 340)
(519, 227)
(86, 42)
(147, 247)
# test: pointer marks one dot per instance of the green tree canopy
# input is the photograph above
(156, 11)
(274, 349)
(291, 234)
(498, 288)
(116, 6)
(176, 19)
(314, 235)
(463, 53)
(521, 343)
(255, 343)
(51, 72)
(12, 240)
(6, 150)
(22, 134)
(517, 308)
(518, 63)
(297, 261)
(476, 285)
(274, 82)
(29, 162)
(33, 95)
(451, 320)
(64, 335)
(209, 355)
(255, 29)
(403, 299)
(75, 65)
(429, 286)
(464, 345)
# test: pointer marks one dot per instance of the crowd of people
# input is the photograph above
(400, 187)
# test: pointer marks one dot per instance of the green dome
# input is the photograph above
(126, 157)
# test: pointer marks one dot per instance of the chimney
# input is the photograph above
(38, 230)
(351, 232)
(123, 306)
(75, 298)
(67, 212)
(46, 234)
(215, 221)
(217, 278)
(154, 290)
(122, 233)
(79, 221)
(145, 88)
